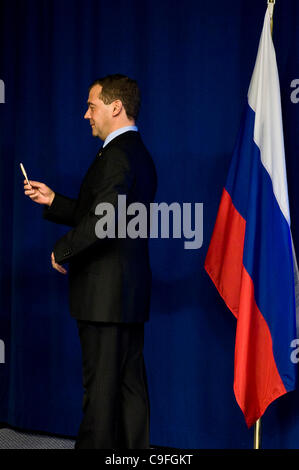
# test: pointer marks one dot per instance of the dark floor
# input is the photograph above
(11, 438)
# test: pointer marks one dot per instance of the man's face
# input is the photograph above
(98, 113)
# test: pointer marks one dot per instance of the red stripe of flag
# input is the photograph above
(256, 379)
(224, 260)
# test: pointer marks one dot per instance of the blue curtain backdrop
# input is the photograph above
(193, 61)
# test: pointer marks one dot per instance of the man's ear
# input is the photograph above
(117, 107)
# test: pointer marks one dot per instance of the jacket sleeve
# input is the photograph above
(61, 211)
(117, 179)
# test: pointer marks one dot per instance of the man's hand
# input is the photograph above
(39, 192)
(57, 266)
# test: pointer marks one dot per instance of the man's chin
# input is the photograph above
(95, 132)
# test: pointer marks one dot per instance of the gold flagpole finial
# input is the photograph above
(271, 4)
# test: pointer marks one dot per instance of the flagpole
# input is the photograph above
(271, 4)
(257, 436)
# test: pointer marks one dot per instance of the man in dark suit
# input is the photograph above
(109, 278)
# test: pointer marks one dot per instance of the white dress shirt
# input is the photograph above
(119, 131)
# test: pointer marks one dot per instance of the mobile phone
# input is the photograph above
(24, 173)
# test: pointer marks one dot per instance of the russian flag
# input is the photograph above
(251, 258)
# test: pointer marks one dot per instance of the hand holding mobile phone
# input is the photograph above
(38, 192)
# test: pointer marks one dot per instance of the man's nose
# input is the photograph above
(86, 115)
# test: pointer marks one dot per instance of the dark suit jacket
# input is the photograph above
(109, 279)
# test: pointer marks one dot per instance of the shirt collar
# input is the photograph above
(119, 131)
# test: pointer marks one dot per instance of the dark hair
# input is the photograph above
(120, 87)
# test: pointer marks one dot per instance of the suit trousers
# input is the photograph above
(115, 401)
